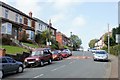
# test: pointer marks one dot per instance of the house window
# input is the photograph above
(16, 19)
(3, 29)
(6, 14)
(41, 27)
(20, 18)
(29, 23)
(6, 28)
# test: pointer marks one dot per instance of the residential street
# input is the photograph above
(71, 67)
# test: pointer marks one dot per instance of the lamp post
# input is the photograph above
(71, 40)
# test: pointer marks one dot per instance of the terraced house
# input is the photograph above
(14, 22)
(42, 26)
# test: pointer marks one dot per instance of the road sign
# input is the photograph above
(117, 38)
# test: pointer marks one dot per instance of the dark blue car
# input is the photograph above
(9, 65)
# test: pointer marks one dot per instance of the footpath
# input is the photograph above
(114, 66)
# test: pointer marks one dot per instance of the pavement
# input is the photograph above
(80, 65)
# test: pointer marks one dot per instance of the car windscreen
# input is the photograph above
(101, 52)
(54, 52)
(37, 53)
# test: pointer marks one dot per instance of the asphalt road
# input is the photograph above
(72, 67)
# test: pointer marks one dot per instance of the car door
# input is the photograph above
(13, 65)
(46, 55)
(5, 65)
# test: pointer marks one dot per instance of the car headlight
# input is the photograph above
(25, 60)
(37, 59)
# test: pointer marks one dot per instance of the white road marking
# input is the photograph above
(39, 76)
(58, 68)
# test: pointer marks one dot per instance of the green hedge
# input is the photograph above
(115, 50)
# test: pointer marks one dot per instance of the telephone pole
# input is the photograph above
(108, 40)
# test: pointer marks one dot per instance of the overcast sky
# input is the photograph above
(86, 18)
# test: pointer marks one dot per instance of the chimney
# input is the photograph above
(50, 24)
(30, 14)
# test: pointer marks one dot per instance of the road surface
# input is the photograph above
(75, 66)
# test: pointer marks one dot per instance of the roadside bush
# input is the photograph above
(105, 48)
(115, 50)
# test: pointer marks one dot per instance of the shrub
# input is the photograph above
(6, 39)
(115, 50)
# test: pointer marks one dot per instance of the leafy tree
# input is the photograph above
(114, 33)
(76, 41)
(92, 43)
(118, 30)
(41, 38)
(111, 39)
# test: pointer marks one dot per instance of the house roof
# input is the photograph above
(14, 9)
(44, 23)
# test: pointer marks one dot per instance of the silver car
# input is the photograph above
(100, 55)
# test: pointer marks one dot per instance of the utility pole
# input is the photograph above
(108, 40)
(50, 24)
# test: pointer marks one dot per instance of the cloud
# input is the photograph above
(27, 6)
(57, 18)
(78, 21)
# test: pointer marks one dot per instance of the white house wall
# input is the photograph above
(44, 27)
(0, 11)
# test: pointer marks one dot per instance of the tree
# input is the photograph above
(118, 30)
(76, 41)
(114, 33)
(92, 43)
(42, 37)
(111, 39)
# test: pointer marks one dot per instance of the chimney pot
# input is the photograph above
(30, 14)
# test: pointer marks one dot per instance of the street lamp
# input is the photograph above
(71, 40)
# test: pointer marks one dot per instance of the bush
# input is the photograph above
(6, 40)
(115, 50)
(105, 48)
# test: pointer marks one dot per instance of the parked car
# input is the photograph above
(9, 65)
(57, 55)
(68, 51)
(65, 54)
(39, 57)
(100, 55)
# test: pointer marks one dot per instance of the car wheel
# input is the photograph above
(20, 69)
(1, 74)
(41, 63)
(50, 61)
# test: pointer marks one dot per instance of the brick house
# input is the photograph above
(63, 39)
(15, 22)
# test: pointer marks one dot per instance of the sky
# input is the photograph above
(86, 18)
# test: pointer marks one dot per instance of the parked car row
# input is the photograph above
(38, 57)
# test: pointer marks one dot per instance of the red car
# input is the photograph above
(57, 55)
(64, 54)
(39, 57)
